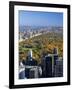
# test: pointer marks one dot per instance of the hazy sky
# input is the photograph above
(35, 18)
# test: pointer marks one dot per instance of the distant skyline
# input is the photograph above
(36, 18)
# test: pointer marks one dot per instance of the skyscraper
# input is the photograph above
(48, 64)
(47, 67)
(59, 68)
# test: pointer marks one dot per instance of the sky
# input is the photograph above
(37, 18)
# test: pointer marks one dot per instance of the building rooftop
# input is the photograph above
(31, 63)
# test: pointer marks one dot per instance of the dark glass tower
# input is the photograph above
(47, 67)
(48, 64)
